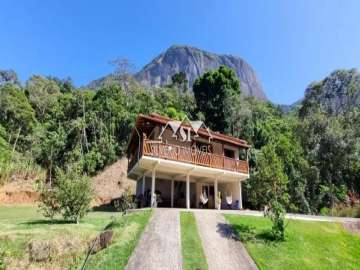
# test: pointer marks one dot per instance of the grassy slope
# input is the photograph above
(192, 251)
(308, 245)
(21, 225)
(128, 230)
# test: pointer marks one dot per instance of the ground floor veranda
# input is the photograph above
(189, 192)
(168, 183)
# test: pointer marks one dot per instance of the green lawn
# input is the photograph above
(308, 245)
(191, 247)
(127, 234)
(20, 225)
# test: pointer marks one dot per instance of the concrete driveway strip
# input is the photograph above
(160, 246)
(222, 248)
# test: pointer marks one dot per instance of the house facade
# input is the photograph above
(184, 164)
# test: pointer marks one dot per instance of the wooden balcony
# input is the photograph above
(161, 150)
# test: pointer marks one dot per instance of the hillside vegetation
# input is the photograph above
(47, 123)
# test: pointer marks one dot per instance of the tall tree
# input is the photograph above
(124, 69)
(180, 81)
(43, 94)
(214, 92)
(271, 183)
(16, 115)
(8, 76)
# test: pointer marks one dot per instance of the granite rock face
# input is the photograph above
(337, 93)
(194, 62)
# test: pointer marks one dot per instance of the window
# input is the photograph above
(229, 153)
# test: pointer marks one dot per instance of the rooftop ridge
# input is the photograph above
(216, 134)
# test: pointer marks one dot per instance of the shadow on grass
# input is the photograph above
(118, 222)
(226, 230)
(245, 233)
(114, 225)
(47, 222)
(104, 208)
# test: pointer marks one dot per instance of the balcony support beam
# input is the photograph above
(153, 196)
(240, 196)
(143, 185)
(216, 193)
(172, 193)
(188, 191)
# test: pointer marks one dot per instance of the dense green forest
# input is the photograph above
(314, 150)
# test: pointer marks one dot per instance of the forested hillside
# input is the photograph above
(47, 123)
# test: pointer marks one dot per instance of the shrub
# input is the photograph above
(344, 211)
(325, 211)
(125, 202)
(341, 210)
(347, 211)
(49, 205)
(70, 196)
(357, 212)
(276, 213)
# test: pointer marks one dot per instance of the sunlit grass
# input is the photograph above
(192, 251)
(127, 232)
(308, 244)
(19, 225)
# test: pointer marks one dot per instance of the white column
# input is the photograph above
(172, 193)
(216, 193)
(153, 198)
(143, 185)
(240, 196)
(188, 191)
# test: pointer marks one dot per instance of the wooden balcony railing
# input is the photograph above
(189, 155)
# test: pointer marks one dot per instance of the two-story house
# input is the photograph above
(184, 164)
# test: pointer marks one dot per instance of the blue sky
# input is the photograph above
(289, 43)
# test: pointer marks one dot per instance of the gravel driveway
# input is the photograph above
(223, 250)
(160, 246)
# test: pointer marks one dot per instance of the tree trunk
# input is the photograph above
(16, 140)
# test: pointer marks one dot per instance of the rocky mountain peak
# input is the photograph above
(194, 62)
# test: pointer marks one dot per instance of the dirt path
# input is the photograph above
(160, 246)
(223, 251)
